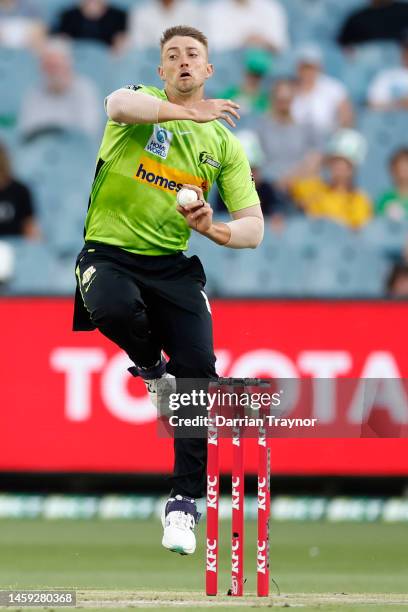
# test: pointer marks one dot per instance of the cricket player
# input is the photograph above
(134, 283)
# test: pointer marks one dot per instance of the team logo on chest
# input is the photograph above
(159, 142)
(207, 158)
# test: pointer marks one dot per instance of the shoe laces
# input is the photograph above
(182, 520)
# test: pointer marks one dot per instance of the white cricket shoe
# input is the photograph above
(160, 389)
(159, 383)
(179, 519)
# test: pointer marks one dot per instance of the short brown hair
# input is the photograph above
(183, 30)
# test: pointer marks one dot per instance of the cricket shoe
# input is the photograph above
(179, 518)
(159, 383)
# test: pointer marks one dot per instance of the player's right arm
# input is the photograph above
(137, 107)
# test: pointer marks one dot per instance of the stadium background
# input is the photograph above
(79, 438)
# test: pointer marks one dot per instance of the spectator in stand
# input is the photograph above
(233, 24)
(381, 20)
(16, 209)
(389, 90)
(337, 198)
(397, 284)
(320, 100)
(394, 202)
(251, 94)
(148, 21)
(94, 20)
(21, 24)
(291, 149)
(7, 264)
(64, 100)
(272, 203)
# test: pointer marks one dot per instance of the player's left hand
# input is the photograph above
(197, 214)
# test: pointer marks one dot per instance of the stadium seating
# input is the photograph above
(35, 268)
(59, 167)
(307, 258)
(387, 237)
(385, 132)
(94, 61)
(228, 70)
(18, 72)
(52, 8)
(137, 66)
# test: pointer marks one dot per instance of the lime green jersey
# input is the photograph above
(141, 167)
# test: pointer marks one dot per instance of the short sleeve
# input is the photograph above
(235, 181)
(349, 31)
(378, 92)
(121, 20)
(64, 23)
(338, 91)
(381, 203)
(147, 89)
(304, 191)
(363, 210)
(132, 87)
(24, 202)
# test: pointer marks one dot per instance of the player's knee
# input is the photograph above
(140, 324)
(120, 313)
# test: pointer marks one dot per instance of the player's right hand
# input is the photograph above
(209, 110)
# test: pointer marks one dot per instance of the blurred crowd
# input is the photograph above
(323, 101)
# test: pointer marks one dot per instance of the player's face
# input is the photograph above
(184, 65)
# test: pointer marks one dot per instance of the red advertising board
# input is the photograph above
(68, 404)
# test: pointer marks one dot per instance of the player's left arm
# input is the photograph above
(245, 231)
(237, 189)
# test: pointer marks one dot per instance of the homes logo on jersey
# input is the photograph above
(157, 175)
(159, 142)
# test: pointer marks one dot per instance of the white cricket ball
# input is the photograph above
(186, 196)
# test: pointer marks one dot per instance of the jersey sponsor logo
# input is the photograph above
(87, 275)
(154, 174)
(133, 87)
(159, 142)
(207, 158)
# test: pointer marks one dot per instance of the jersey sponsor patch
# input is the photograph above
(159, 142)
(157, 175)
(133, 87)
(207, 158)
(87, 275)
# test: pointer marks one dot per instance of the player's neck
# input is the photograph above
(184, 99)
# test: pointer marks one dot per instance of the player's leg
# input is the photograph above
(183, 320)
(116, 306)
(182, 317)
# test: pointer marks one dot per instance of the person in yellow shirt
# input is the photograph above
(337, 198)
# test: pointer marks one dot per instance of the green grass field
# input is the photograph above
(121, 565)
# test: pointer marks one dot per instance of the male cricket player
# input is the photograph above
(134, 283)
